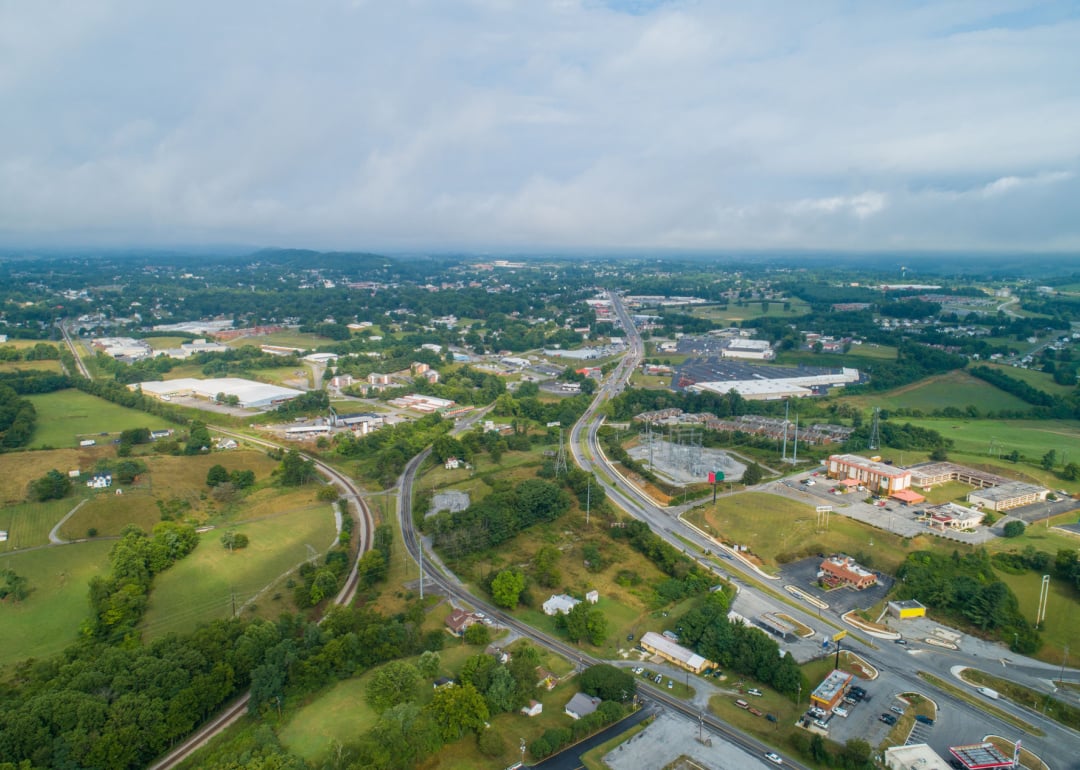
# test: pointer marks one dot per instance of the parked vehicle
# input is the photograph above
(771, 717)
(888, 719)
(924, 719)
(896, 710)
(840, 711)
(899, 641)
(755, 712)
(742, 704)
(755, 691)
(822, 724)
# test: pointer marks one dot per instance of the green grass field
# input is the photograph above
(1036, 379)
(1031, 438)
(7, 367)
(28, 524)
(1062, 624)
(67, 415)
(288, 339)
(164, 343)
(772, 525)
(750, 310)
(956, 388)
(49, 619)
(201, 586)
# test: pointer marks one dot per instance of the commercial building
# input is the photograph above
(930, 475)
(250, 394)
(123, 348)
(917, 756)
(1008, 496)
(952, 516)
(875, 476)
(831, 691)
(845, 571)
(673, 653)
(905, 609)
(755, 350)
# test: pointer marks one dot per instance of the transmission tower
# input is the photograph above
(560, 458)
(875, 430)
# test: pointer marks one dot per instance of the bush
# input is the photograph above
(1014, 528)
(490, 743)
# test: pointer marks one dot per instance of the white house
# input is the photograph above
(560, 604)
(535, 708)
(592, 597)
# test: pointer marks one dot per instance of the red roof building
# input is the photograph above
(845, 571)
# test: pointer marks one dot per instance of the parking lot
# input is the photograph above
(803, 574)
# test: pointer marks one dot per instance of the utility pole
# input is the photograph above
(795, 449)
(421, 541)
(588, 498)
(787, 405)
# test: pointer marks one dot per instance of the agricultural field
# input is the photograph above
(751, 309)
(66, 416)
(957, 389)
(49, 619)
(286, 339)
(28, 524)
(10, 367)
(773, 526)
(857, 357)
(22, 467)
(1031, 438)
(203, 585)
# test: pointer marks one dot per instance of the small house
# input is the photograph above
(581, 705)
(560, 604)
(592, 597)
(535, 708)
(459, 620)
(442, 682)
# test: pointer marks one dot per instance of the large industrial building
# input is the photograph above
(251, 394)
(1008, 496)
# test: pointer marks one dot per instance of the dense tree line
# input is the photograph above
(897, 436)
(746, 650)
(913, 362)
(1046, 406)
(685, 577)
(965, 589)
(17, 419)
(42, 351)
(386, 451)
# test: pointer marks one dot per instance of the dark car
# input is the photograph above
(925, 720)
(899, 641)
(888, 719)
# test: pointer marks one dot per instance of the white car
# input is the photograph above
(774, 758)
(840, 711)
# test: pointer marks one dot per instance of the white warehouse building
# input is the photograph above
(251, 394)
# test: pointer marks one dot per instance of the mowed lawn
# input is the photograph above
(772, 525)
(201, 586)
(28, 524)
(1031, 438)
(49, 619)
(1062, 624)
(66, 416)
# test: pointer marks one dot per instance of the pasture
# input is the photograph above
(1062, 625)
(203, 585)
(49, 619)
(66, 416)
(287, 339)
(28, 524)
(1031, 438)
(750, 309)
(20, 468)
(47, 365)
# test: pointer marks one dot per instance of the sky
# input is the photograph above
(541, 124)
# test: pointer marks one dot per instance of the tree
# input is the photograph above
(242, 479)
(1071, 471)
(545, 568)
(394, 683)
(1049, 460)
(295, 470)
(753, 475)
(52, 486)
(428, 664)
(234, 541)
(608, 682)
(939, 455)
(506, 588)
(1014, 528)
(458, 709)
(477, 634)
(216, 475)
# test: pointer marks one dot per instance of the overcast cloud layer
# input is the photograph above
(541, 123)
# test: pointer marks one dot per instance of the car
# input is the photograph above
(899, 641)
(924, 720)
(822, 724)
(815, 711)
(888, 719)
(629, 637)
(658, 679)
(840, 711)
(670, 684)
(773, 757)
(771, 717)
(755, 712)
(755, 691)
(896, 710)
(638, 670)
(742, 704)
(858, 692)
(850, 700)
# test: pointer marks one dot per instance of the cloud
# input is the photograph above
(487, 123)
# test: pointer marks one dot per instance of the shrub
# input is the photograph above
(1014, 528)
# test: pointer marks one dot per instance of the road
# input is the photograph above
(900, 662)
(74, 351)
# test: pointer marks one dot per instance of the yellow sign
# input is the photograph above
(838, 636)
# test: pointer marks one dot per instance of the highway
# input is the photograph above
(74, 351)
(899, 661)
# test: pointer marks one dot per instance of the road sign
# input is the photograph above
(839, 635)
